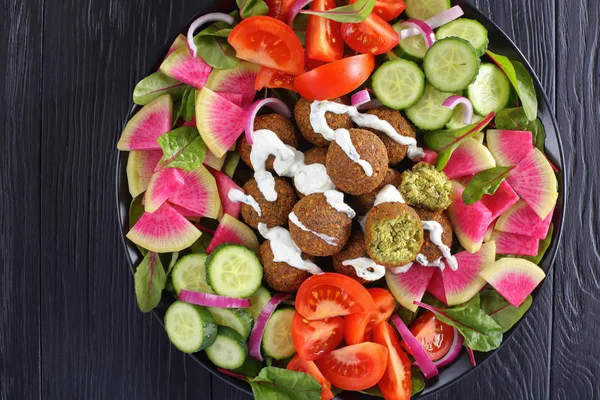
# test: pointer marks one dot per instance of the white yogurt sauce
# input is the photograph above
(421, 259)
(336, 200)
(343, 139)
(266, 143)
(285, 250)
(312, 178)
(366, 268)
(327, 239)
(361, 222)
(389, 194)
(239, 196)
(435, 235)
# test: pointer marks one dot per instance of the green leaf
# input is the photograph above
(231, 163)
(484, 182)
(182, 148)
(150, 279)
(543, 247)
(136, 210)
(418, 381)
(174, 257)
(200, 245)
(516, 119)
(250, 368)
(187, 108)
(505, 315)
(352, 13)
(250, 8)
(282, 384)
(406, 315)
(155, 85)
(216, 52)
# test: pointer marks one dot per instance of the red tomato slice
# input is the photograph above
(395, 384)
(309, 367)
(314, 339)
(335, 79)
(268, 42)
(388, 9)
(355, 367)
(331, 295)
(271, 78)
(323, 38)
(279, 9)
(435, 336)
(373, 36)
(360, 326)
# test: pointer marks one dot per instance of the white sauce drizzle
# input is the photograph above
(239, 196)
(336, 200)
(313, 178)
(361, 222)
(421, 259)
(389, 194)
(285, 250)
(327, 239)
(366, 268)
(342, 138)
(435, 235)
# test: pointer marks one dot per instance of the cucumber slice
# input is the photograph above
(229, 350)
(277, 339)
(398, 84)
(491, 90)
(424, 9)
(233, 270)
(429, 113)
(190, 328)
(468, 29)
(238, 319)
(190, 273)
(258, 301)
(412, 48)
(451, 64)
(456, 121)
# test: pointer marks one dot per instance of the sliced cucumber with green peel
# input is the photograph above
(233, 270)
(491, 90)
(258, 301)
(229, 349)
(412, 48)
(277, 339)
(429, 114)
(238, 319)
(398, 83)
(456, 122)
(190, 273)
(190, 328)
(468, 29)
(424, 9)
(451, 64)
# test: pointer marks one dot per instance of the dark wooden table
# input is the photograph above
(69, 324)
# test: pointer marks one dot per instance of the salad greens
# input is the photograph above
(276, 384)
(352, 13)
(187, 108)
(150, 279)
(251, 8)
(484, 182)
(505, 315)
(183, 148)
(155, 85)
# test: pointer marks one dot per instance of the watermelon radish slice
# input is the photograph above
(163, 184)
(430, 156)
(182, 66)
(180, 42)
(464, 283)
(488, 233)
(198, 194)
(154, 119)
(140, 168)
(224, 185)
(219, 121)
(230, 230)
(534, 180)
(408, 287)
(436, 286)
(235, 98)
(192, 216)
(502, 200)
(239, 79)
(509, 147)
(513, 278)
(210, 160)
(163, 231)
(515, 244)
(469, 158)
(470, 222)
(521, 219)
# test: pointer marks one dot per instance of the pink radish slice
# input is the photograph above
(230, 230)
(224, 185)
(235, 98)
(205, 19)
(423, 29)
(273, 103)
(453, 352)
(162, 186)
(436, 21)
(212, 300)
(422, 359)
(261, 322)
(430, 156)
(467, 107)
(295, 9)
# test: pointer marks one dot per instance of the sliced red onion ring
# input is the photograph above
(362, 100)
(453, 352)
(295, 9)
(436, 21)
(212, 300)
(467, 107)
(421, 358)
(205, 19)
(423, 29)
(471, 356)
(272, 102)
(261, 322)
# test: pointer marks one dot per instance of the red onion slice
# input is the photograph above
(436, 21)
(272, 102)
(421, 358)
(423, 29)
(467, 107)
(453, 352)
(362, 100)
(261, 322)
(212, 300)
(295, 9)
(205, 19)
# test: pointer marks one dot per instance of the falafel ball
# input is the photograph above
(430, 250)
(347, 175)
(315, 216)
(316, 155)
(281, 276)
(393, 234)
(281, 126)
(364, 202)
(334, 121)
(355, 248)
(396, 152)
(273, 213)
(425, 187)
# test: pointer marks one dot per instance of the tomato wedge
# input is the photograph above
(373, 36)
(268, 42)
(314, 339)
(435, 336)
(388, 9)
(335, 79)
(309, 367)
(323, 38)
(360, 326)
(279, 9)
(395, 384)
(355, 367)
(273, 79)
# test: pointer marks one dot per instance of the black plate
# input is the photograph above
(499, 43)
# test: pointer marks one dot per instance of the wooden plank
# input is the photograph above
(20, 102)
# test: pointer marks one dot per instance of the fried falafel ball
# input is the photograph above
(281, 126)
(281, 276)
(355, 248)
(347, 175)
(393, 234)
(316, 217)
(364, 202)
(334, 121)
(273, 213)
(430, 250)
(396, 152)
(316, 155)
(425, 187)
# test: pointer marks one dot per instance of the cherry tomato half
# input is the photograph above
(372, 36)
(435, 336)
(314, 339)
(395, 384)
(279, 9)
(273, 79)
(388, 9)
(323, 38)
(309, 367)
(360, 326)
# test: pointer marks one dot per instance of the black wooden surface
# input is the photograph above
(69, 325)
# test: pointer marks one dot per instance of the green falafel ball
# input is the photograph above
(426, 187)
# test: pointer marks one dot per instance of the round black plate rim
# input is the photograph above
(462, 364)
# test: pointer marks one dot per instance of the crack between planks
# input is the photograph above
(41, 93)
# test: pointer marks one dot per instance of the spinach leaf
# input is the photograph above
(501, 310)
(250, 368)
(281, 384)
(136, 210)
(484, 182)
(174, 257)
(187, 108)
(200, 245)
(150, 279)
(406, 315)
(183, 148)
(231, 163)
(516, 119)
(250, 8)
(352, 13)
(543, 247)
(155, 85)
(216, 52)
